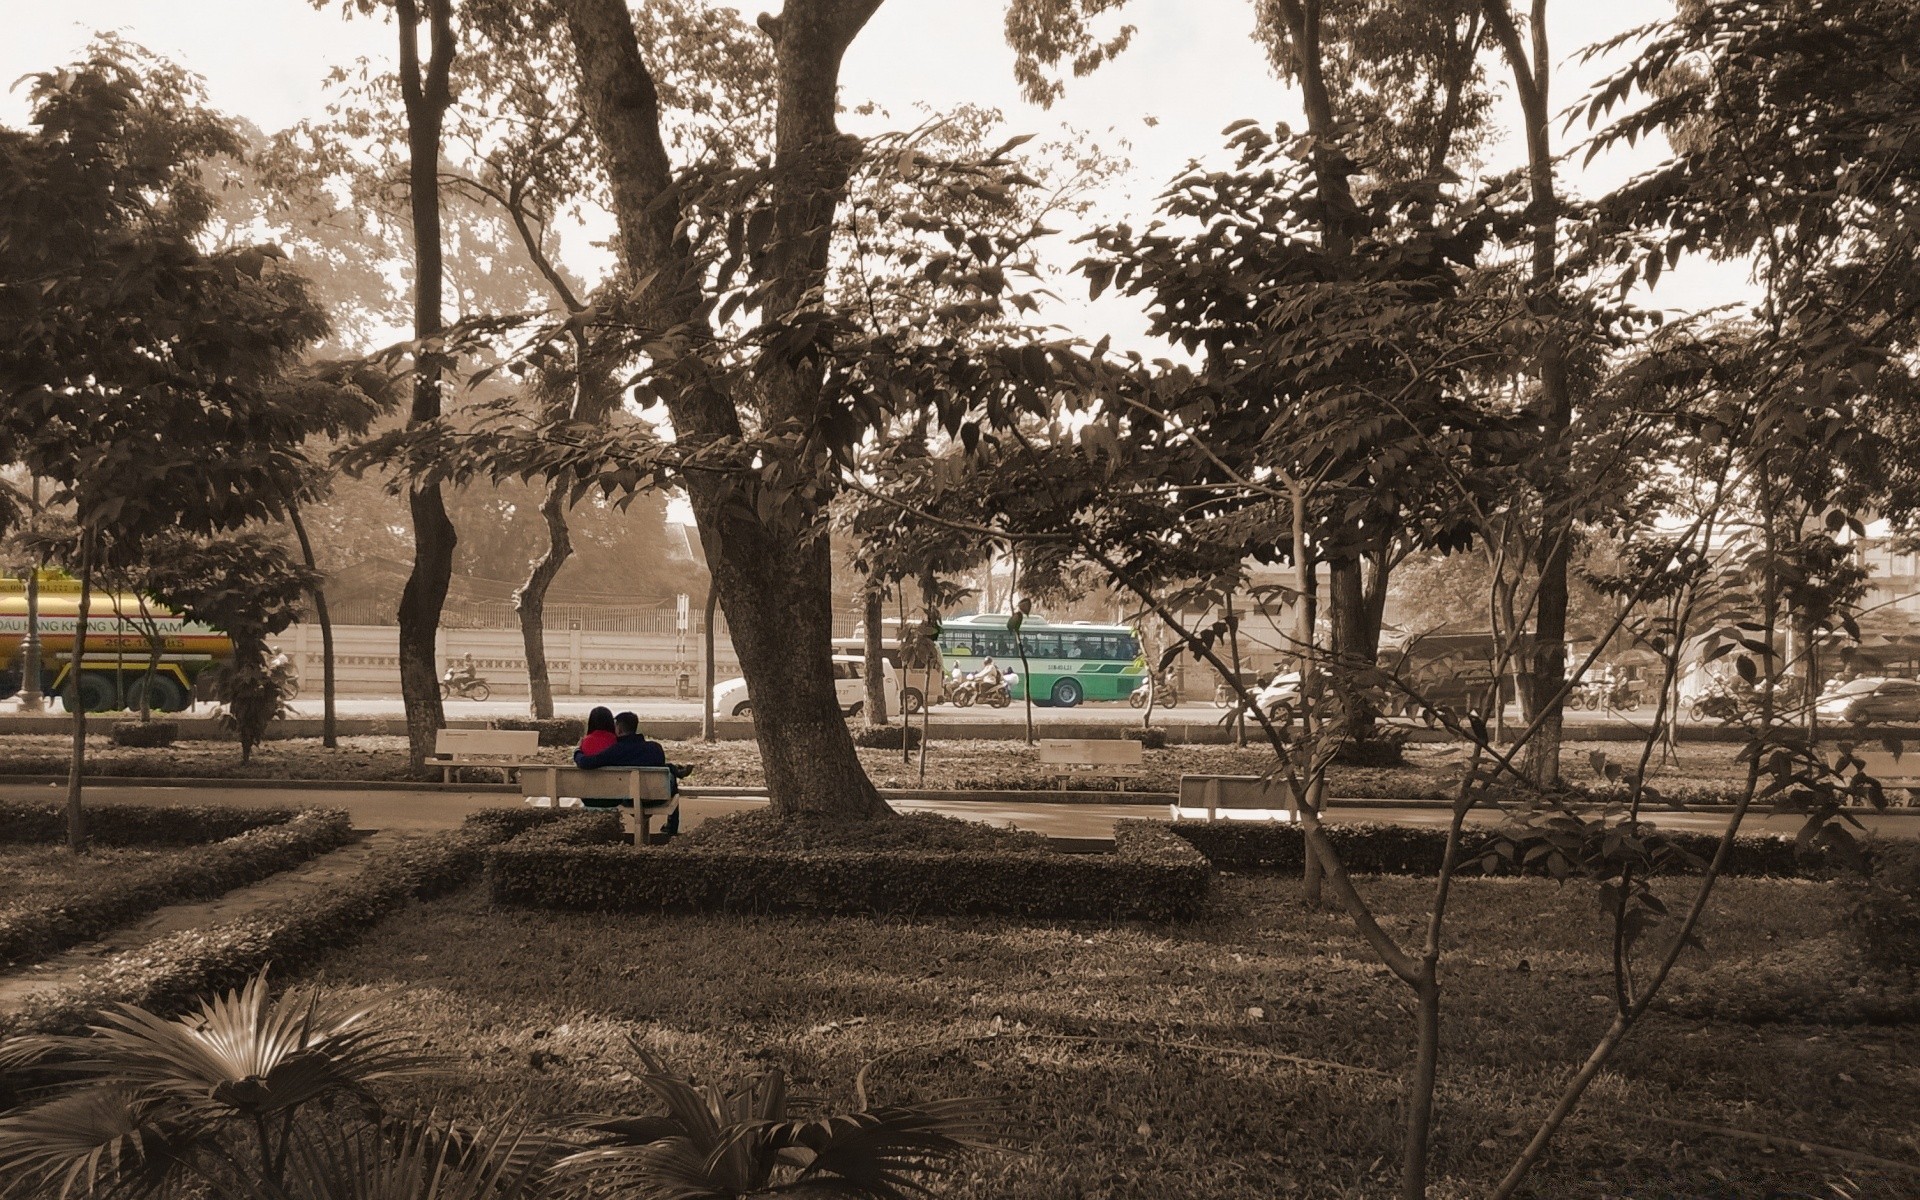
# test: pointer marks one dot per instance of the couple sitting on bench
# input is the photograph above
(616, 741)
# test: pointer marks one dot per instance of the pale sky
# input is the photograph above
(1193, 68)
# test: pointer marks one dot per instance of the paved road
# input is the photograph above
(660, 707)
(410, 810)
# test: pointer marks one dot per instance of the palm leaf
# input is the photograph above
(240, 1053)
(97, 1142)
(424, 1159)
(878, 1153)
(666, 1169)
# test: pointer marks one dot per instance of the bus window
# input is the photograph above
(1043, 645)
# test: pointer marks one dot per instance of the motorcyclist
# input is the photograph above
(462, 674)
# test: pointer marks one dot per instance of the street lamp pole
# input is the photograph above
(31, 701)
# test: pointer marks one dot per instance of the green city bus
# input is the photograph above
(1066, 663)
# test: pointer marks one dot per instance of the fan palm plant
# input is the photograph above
(730, 1145)
(217, 1095)
(422, 1159)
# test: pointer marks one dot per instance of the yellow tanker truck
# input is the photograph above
(121, 630)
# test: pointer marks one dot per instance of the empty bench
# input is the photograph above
(1892, 771)
(648, 790)
(506, 749)
(1068, 757)
(1235, 797)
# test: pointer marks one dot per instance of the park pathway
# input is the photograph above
(19, 984)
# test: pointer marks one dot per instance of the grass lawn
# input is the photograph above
(950, 764)
(28, 874)
(1149, 1061)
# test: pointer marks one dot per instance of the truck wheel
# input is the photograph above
(165, 694)
(911, 701)
(97, 694)
(743, 709)
(1068, 693)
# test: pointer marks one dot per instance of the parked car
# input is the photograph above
(730, 697)
(1872, 700)
(1280, 697)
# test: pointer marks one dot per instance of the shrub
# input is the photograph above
(144, 734)
(136, 825)
(1151, 875)
(575, 827)
(68, 918)
(1383, 746)
(1375, 849)
(554, 731)
(171, 973)
(1150, 739)
(887, 737)
(763, 829)
(1883, 909)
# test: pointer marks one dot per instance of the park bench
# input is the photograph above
(649, 790)
(1067, 757)
(1892, 771)
(505, 749)
(1234, 797)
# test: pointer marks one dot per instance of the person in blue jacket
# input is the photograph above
(630, 748)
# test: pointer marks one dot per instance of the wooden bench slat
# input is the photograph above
(1247, 796)
(648, 789)
(501, 748)
(1118, 757)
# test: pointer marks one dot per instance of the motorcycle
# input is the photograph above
(972, 690)
(285, 675)
(1165, 695)
(473, 687)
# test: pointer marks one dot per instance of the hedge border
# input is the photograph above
(1370, 848)
(176, 972)
(1151, 875)
(32, 822)
(76, 915)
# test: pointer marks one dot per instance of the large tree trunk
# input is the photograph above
(707, 665)
(771, 569)
(329, 719)
(876, 656)
(1356, 641)
(1548, 661)
(530, 599)
(427, 97)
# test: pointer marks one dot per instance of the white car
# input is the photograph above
(1280, 696)
(730, 697)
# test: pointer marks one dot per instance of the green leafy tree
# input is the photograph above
(146, 375)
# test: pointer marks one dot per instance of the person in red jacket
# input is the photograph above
(630, 748)
(600, 736)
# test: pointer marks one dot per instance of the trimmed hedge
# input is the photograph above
(1152, 875)
(1149, 739)
(36, 822)
(1883, 908)
(554, 731)
(70, 917)
(174, 973)
(144, 734)
(887, 737)
(1376, 849)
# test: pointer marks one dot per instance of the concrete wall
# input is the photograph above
(580, 662)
